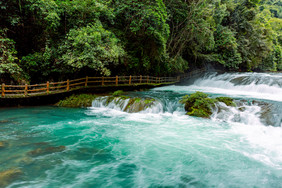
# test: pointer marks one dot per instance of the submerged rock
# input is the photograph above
(4, 121)
(47, 150)
(3, 144)
(8, 176)
(266, 113)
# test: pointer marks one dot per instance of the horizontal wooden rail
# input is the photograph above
(68, 85)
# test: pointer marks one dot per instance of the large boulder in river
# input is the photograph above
(201, 105)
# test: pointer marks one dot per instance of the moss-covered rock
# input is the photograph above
(8, 176)
(198, 104)
(76, 101)
(201, 105)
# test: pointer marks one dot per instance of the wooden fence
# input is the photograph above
(69, 85)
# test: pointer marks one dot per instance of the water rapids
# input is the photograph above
(160, 146)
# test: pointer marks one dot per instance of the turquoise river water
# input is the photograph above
(102, 146)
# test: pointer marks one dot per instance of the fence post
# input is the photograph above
(129, 79)
(3, 90)
(25, 90)
(159, 79)
(156, 81)
(68, 85)
(116, 80)
(47, 87)
(147, 79)
(102, 80)
(86, 81)
(178, 78)
(140, 79)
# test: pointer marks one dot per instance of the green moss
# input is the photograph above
(118, 93)
(227, 100)
(75, 101)
(149, 101)
(198, 104)
(137, 100)
(109, 100)
(124, 97)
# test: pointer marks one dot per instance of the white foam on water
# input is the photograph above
(255, 86)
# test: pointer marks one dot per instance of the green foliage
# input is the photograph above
(144, 27)
(48, 12)
(91, 47)
(79, 13)
(52, 39)
(118, 93)
(227, 48)
(77, 101)
(149, 101)
(8, 58)
(192, 26)
(40, 65)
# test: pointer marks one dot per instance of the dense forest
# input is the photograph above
(56, 39)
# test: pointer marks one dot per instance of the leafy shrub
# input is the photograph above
(91, 47)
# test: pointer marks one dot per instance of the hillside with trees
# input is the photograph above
(56, 39)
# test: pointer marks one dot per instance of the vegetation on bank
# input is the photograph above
(77, 101)
(54, 40)
(201, 105)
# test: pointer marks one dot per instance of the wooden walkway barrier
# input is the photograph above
(13, 91)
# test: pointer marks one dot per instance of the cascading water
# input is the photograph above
(260, 94)
(111, 144)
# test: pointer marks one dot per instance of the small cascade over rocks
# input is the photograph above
(248, 112)
(129, 104)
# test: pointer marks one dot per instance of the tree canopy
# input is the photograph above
(55, 39)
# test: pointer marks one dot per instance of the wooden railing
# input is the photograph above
(65, 86)
(69, 85)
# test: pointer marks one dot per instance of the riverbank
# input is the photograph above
(53, 98)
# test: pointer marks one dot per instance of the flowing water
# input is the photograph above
(103, 146)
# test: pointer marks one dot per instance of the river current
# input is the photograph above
(103, 146)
